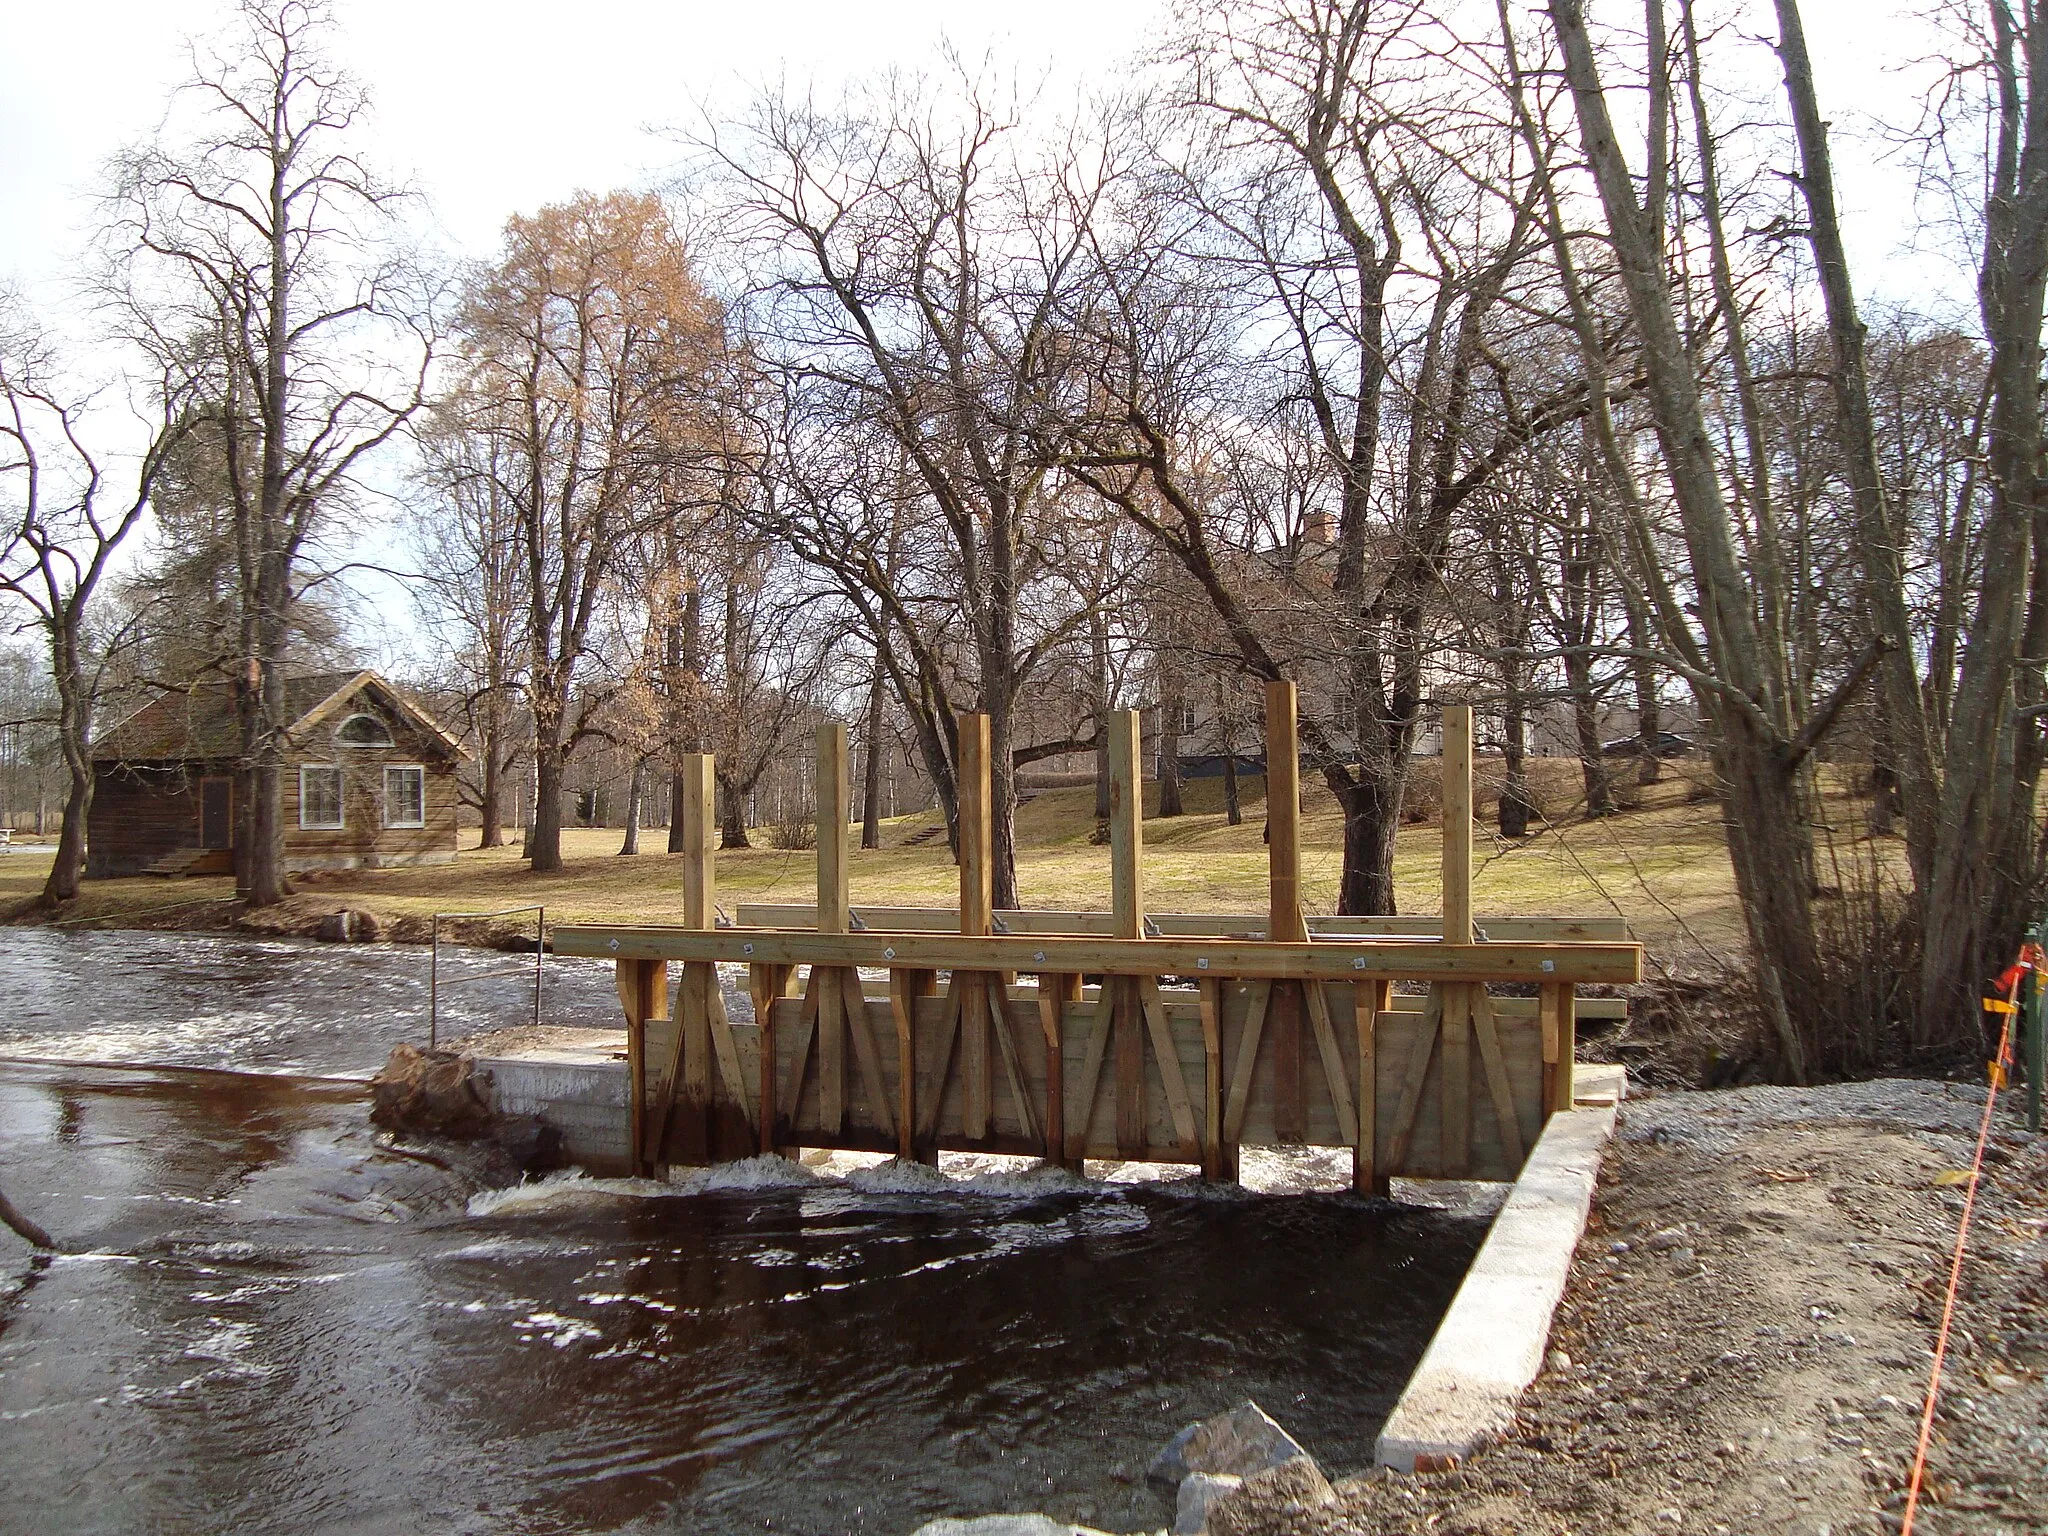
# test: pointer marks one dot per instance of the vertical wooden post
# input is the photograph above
(684, 1056)
(977, 838)
(643, 993)
(694, 999)
(1457, 929)
(1556, 1012)
(1369, 999)
(905, 988)
(834, 801)
(1126, 825)
(1457, 765)
(1054, 993)
(977, 828)
(1284, 922)
(1567, 1046)
(1211, 997)
(769, 983)
(1457, 1083)
(834, 810)
(699, 789)
(1283, 816)
(1118, 1008)
(636, 1094)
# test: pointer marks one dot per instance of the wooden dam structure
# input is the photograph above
(1430, 1049)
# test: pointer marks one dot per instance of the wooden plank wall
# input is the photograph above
(1453, 1084)
(1093, 1126)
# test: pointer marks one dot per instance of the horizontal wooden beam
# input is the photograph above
(1526, 930)
(1333, 960)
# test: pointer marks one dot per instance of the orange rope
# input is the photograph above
(1955, 1270)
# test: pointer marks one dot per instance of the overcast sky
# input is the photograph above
(493, 107)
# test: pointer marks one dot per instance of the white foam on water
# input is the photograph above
(1264, 1172)
(1295, 1170)
(563, 1191)
(556, 1329)
(763, 1171)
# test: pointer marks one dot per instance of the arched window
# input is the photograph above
(363, 731)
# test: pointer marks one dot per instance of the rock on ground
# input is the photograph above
(1200, 1492)
(1278, 1498)
(1235, 1444)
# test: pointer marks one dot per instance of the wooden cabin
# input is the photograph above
(369, 781)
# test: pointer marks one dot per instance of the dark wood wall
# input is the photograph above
(139, 814)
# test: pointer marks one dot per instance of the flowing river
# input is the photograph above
(267, 1320)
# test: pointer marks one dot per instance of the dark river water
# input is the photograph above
(266, 1320)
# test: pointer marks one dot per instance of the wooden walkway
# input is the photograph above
(1172, 1038)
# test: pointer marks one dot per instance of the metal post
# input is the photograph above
(434, 986)
(540, 927)
(2034, 1024)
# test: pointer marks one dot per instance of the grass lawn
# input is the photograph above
(1662, 865)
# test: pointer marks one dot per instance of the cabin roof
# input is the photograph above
(198, 722)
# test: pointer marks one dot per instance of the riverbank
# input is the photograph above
(1745, 1341)
(1663, 865)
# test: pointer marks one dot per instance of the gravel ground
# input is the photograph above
(1745, 1342)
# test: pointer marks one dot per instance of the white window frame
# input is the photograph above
(340, 821)
(421, 770)
(388, 742)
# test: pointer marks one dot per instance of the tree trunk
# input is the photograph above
(70, 863)
(1233, 806)
(635, 788)
(1372, 818)
(1878, 550)
(732, 812)
(1098, 655)
(544, 843)
(491, 776)
(1516, 809)
(1578, 672)
(1169, 756)
(1756, 766)
(1643, 673)
(74, 740)
(684, 655)
(1002, 803)
(871, 769)
(22, 1227)
(267, 884)
(1966, 910)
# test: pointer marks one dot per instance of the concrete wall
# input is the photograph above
(583, 1100)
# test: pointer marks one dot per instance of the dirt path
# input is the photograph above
(1748, 1329)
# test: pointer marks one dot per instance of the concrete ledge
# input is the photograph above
(1490, 1344)
(581, 1094)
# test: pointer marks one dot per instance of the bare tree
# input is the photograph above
(1986, 859)
(253, 259)
(62, 537)
(586, 353)
(474, 597)
(920, 252)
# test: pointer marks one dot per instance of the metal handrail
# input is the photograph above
(434, 983)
